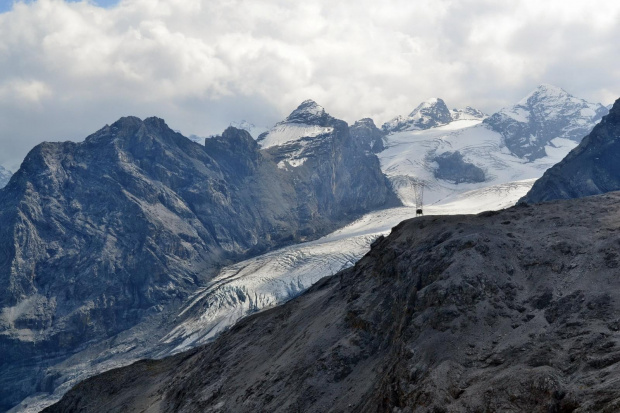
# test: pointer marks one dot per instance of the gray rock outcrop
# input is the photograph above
(453, 168)
(367, 135)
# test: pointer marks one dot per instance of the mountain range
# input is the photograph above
(100, 236)
(511, 310)
(168, 218)
(469, 152)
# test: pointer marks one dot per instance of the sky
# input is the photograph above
(69, 68)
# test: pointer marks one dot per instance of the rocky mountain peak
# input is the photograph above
(127, 123)
(237, 136)
(308, 120)
(365, 122)
(366, 134)
(544, 92)
(547, 113)
(139, 137)
(432, 106)
(123, 127)
(156, 123)
(235, 148)
(428, 114)
(468, 113)
(591, 168)
(307, 112)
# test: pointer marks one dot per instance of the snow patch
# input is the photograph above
(288, 132)
(409, 155)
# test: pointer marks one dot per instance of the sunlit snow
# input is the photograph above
(410, 154)
(249, 286)
(288, 132)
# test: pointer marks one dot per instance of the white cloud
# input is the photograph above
(24, 93)
(69, 68)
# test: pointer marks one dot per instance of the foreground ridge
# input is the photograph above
(504, 311)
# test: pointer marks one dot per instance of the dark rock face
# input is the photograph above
(452, 167)
(236, 151)
(547, 113)
(97, 236)
(591, 168)
(429, 114)
(4, 177)
(333, 171)
(506, 311)
(367, 135)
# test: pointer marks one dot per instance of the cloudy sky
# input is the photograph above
(68, 68)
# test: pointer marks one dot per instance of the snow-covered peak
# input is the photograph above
(428, 114)
(429, 103)
(431, 107)
(309, 120)
(307, 112)
(546, 113)
(468, 113)
(545, 92)
(552, 103)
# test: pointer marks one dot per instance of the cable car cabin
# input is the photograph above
(418, 212)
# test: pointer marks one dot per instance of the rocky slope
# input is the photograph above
(328, 163)
(589, 169)
(100, 236)
(547, 113)
(368, 135)
(5, 175)
(507, 311)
